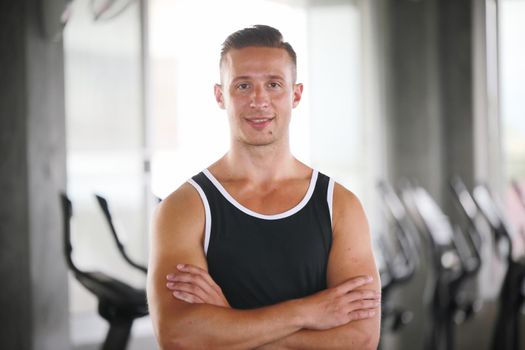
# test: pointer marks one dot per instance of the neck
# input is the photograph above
(260, 163)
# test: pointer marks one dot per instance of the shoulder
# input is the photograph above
(185, 194)
(177, 232)
(351, 253)
(347, 210)
(182, 209)
(344, 198)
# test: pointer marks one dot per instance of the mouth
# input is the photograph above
(259, 120)
(259, 123)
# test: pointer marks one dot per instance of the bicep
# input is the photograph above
(351, 253)
(176, 237)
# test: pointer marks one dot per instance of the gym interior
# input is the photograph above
(106, 106)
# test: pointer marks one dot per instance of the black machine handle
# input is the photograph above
(471, 238)
(488, 208)
(468, 253)
(67, 213)
(432, 221)
(406, 231)
(103, 203)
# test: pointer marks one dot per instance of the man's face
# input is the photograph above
(258, 93)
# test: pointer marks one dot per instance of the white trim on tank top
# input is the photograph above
(282, 215)
(330, 197)
(207, 212)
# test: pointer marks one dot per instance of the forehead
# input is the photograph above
(251, 61)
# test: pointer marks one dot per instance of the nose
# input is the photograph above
(259, 98)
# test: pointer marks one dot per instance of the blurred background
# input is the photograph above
(414, 105)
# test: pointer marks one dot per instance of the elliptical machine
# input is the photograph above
(118, 303)
(512, 295)
(455, 259)
(400, 257)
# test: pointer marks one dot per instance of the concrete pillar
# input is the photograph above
(34, 295)
(414, 125)
(457, 86)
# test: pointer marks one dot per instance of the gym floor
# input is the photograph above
(88, 330)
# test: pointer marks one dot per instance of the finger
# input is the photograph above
(188, 288)
(187, 297)
(186, 268)
(194, 284)
(353, 283)
(362, 294)
(190, 277)
(365, 304)
(201, 272)
(362, 314)
(190, 268)
(201, 296)
(196, 276)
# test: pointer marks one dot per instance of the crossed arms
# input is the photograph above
(189, 311)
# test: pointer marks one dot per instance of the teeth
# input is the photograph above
(260, 120)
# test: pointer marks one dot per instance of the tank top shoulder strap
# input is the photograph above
(206, 192)
(202, 181)
(324, 191)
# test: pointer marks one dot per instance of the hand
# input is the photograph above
(195, 286)
(342, 304)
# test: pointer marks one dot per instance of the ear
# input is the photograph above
(219, 97)
(297, 93)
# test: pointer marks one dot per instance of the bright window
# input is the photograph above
(512, 84)
(190, 131)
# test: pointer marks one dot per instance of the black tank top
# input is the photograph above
(260, 260)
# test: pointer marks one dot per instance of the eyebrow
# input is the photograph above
(269, 76)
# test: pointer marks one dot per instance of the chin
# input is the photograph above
(257, 142)
(260, 144)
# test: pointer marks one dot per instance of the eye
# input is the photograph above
(274, 84)
(243, 86)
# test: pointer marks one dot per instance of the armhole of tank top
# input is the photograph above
(207, 213)
(330, 198)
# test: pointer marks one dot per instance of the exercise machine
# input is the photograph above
(470, 210)
(454, 260)
(118, 303)
(512, 295)
(400, 258)
(104, 206)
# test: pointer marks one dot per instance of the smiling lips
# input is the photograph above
(259, 123)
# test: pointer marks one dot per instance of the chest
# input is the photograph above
(269, 200)
(261, 262)
(240, 240)
(264, 246)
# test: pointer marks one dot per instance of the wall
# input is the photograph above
(34, 294)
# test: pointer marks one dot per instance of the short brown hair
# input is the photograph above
(258, 35)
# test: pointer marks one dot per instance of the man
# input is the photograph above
(259, 250)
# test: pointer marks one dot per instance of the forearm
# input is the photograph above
(206, 326)
(202, 318)
(358, 335)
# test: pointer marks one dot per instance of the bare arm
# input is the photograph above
(351, 255)
(177, 238)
